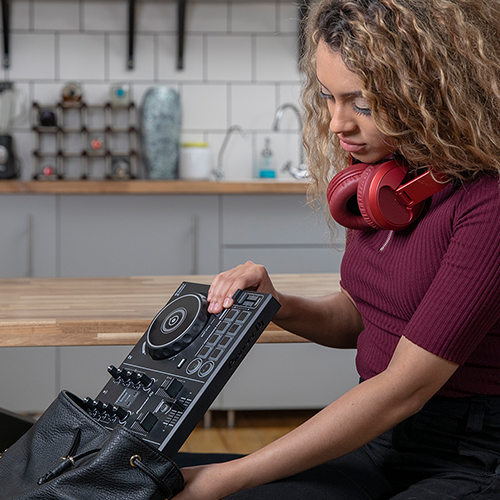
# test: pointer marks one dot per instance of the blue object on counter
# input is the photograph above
(266, 170)
(267, 174)
(160, 123)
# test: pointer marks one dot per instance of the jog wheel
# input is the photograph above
(177, 325)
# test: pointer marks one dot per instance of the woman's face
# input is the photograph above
(351, 118)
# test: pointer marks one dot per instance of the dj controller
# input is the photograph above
(176, 370)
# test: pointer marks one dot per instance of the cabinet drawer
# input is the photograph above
(294, 259)
(272, 219)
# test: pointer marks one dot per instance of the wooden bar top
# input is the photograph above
(112, 311)
(153, 187)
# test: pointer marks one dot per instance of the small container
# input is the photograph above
(195, 161)
(266, 169)
(119, 94)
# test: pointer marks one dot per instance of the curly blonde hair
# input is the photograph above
(430, 72)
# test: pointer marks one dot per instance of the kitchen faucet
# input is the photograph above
(299, 172)
(218, 172)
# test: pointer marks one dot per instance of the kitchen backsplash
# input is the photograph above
(240, 66)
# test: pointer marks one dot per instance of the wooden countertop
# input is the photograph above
(111, 311)
(153, 187)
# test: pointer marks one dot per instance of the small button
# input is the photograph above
(225, 341)
(174, 388)
(234, 329)
(206, 368)
(193, 366)
(214, 338)
(243, 316)
(204, 352)
(148, 422)
(231, 314)
(222, 327)
(216, 354)
(240, 296)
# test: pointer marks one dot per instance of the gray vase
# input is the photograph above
(160, 125)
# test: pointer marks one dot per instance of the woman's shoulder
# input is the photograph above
(483, 184)
(478, 199)
(484, 188)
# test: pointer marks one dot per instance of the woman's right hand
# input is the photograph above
(245, 276)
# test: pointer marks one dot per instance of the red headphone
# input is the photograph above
(365, 196)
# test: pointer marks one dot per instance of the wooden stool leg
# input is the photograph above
(207, 420)
(231, 419)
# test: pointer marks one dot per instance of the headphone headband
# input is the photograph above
(420, 188)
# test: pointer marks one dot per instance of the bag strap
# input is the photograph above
(66, 463)
(136, 461)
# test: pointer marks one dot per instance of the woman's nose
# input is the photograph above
(341, 121)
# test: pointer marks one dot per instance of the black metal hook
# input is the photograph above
(131, 33)
(6, 33)
(181, 30)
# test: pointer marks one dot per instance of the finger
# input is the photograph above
(225, 285)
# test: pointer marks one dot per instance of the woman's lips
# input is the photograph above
(350, 147)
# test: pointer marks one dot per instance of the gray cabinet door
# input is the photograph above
(27, 236)
(28, 378)
(128, 235)
(290, 376)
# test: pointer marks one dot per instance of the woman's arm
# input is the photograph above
(332, 320)
(363, 413)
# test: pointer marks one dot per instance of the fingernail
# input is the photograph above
(227, 303)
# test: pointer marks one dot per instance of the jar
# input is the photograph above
(195, 161)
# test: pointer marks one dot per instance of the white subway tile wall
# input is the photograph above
(240, 65)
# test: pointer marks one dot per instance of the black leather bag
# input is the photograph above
(67, 455)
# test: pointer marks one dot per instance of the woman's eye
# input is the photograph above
(324, 95)
(362, 111)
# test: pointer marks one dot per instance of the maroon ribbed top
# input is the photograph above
(437, 283)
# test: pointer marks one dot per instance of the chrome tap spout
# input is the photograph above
(300, 171)
(218, 171)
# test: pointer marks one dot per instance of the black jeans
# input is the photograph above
(449, 450)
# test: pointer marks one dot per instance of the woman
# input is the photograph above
(414, 80)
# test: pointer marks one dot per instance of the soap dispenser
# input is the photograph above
(266, 170)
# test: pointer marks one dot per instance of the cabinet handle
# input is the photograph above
(30, 230)
(195, 231)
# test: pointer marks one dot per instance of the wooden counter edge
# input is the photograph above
(55, 334)
(152, 187)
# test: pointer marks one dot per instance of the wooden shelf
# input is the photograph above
(152, 187)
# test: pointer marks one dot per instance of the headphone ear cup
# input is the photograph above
(377, 200)
(342, 195)
(363, 197)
